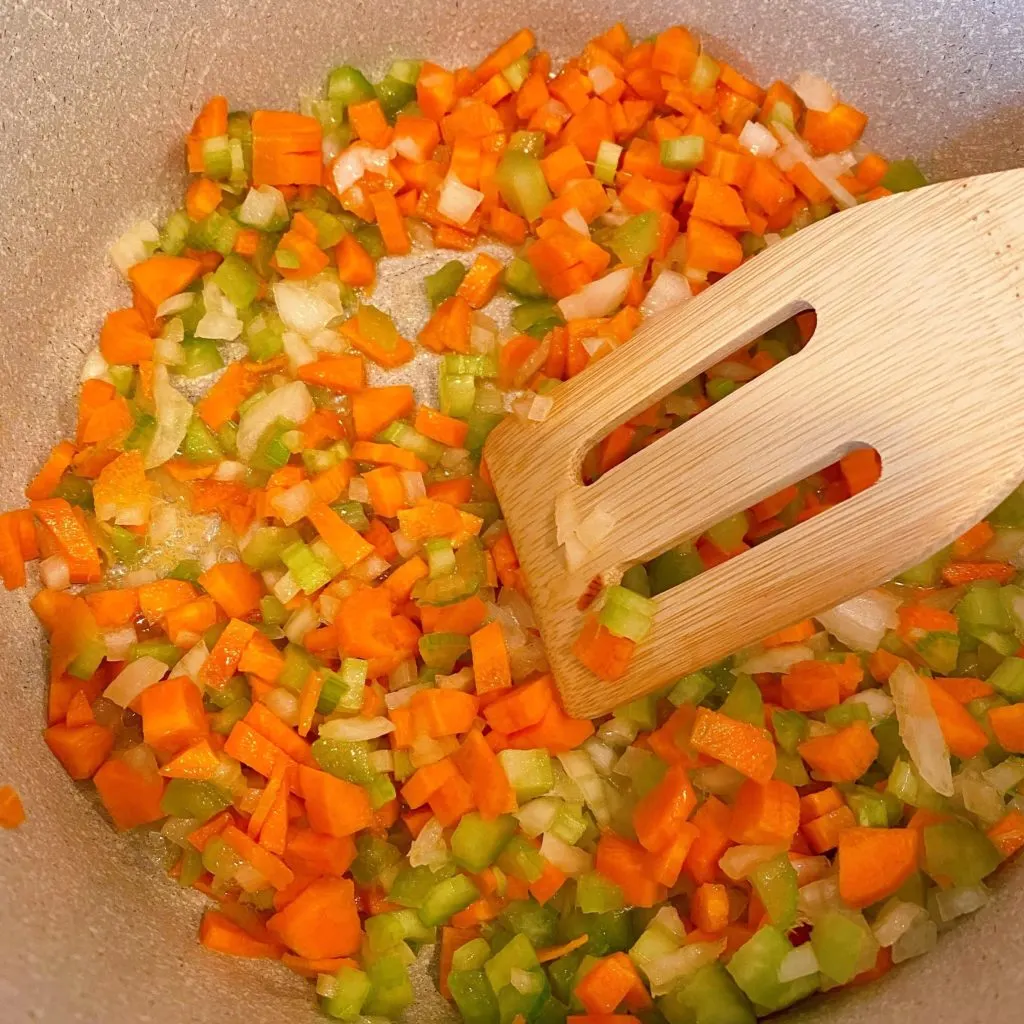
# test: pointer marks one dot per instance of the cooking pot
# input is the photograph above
(94, 101)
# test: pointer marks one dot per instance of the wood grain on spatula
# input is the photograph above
(918, 352)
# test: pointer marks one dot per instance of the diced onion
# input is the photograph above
(95, 367)
(633, 761)
(286, 587)
(1005, 776)
(664, 972)
(302, 621)
(291, 505)
(283, 704)
(462, 680)
(601, 78)
(798, 963)
(920, 938)
(404, 545)
(862, 621)
(540, 408)
(400, 698)
(895, 918)
(456, 201)
(569, 859)
(359, 490)
(355, 729)
(878, 702)
(137, 676)
(1006, 546)
(738, 861)
(413, 485)
(230, 471)
(618, 732)
(574, 219)
(598, 298)
(603, 757)
(919, 729)
(134, 246)
(428, 849)
(305, 307)
(219, 327)
(297, 349)
(382, 760)
(719, 779)
(594, 528)
(370, 568)
(175, 304)
(537, 815)
(814, 92)
(669, 289)
(118, 642)
(262, 206)
(818, 898)
(192, 662)
(426, 750)
(291, 402)
(524, 982)
(55, 572)
(961, 900)
(328, 341)
(757, 140)
(173, 414)
(979, 797)
(776, 659)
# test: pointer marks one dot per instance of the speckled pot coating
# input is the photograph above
(95, 97)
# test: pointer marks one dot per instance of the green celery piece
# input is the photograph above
(691, 689)
(983, 606)
(393, 94)
(902, 176)
(595, 894)
(552, 1011)
(1008, 679)
(189, 570)
(272, 612)
(470, 574)
(477, 842)
(381, 790)
(442, 650)
(755, 969)
(790, 768)
(841, 943)
(219, 859)
(606, 164)
(162, 650)
(790, 728)
(570, 824)
(843, 715)
(390, 989)
(456, 394)
(123, 379)
(635, 241)
(349, 85)
(222, 722)
(343, 690)
(76, 490)
(926, 573)
(217, 157)
(1002, 644)
(385, 931)
(527, 917)
(518, 953)
(475, 365)
(683, 153)
(191, 865)
(1010, 511)
(216, 233)
(471, 956)
(905, 784)
(264, 335)
(212, 635)
(184, 798)
(199, 444)
(890, 745)
(234, 689)
(776, 883)
(444, 282)
(474, 997)
(411, 884)
(237, 280)
(404, 436)
(752, 244)
(515, 1005)
(532, 312)
(521, 860)
(352, 988)
(309, 571)
(227, 438)
(868, 806)
(960, 852)
(940, 650)
(480, 426)
(373, 855)
(140, 436)
(202, 357)
(91, 653)
(718, 389)
(643, 711)
(174, 235)
(522, 184)
(521, 279)
(354, 514)
(446, 898)
(744, 702)
(609, 931)
(635, 579)
(709, 996)
(529, 772)
(346, 760)
(329, 229)
(675, 566)
(729, 533)
(440, 556)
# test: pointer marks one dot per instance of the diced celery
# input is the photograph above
(643, 711)
(595, 894)
(790, 729)
(675, 566)
(524, 1002)
(329, 229)
(442, 650)
(237, 280)
(474, 997)
(309, 571)
(440, 556)
(782, 113)
(216, 232)
(444, 282)
(905, 784)
(477, 842)
(446, 898)
(354, 514)
(752, 244)
(529, 772)
(370, 238)
(709, 996)
(184, 798)
(534, 312)
(843, 715)
(456, 394)
(902, 176)
(521, 860)
(298, 663)
(635, 579)
(373, 855)
(842, 942)
(471, 956)
(411, 885)
(959, 852)
(343, 690)
(272, 612)
(404, 436)
(394, 94)
(520, 277)
(522, 184)
(162, 650)
(982, 606)
(755, 968)
(222, 722)
(470, 574)
(175, 233)
(480, 426)
(518, 953)
(682, 153)
(562, 974)
(729, 533)
(790, 768)
(609, 931)
(516, 73)
(718, 389)
(349, 85)
(235, 688)
(607, 163)
(868, 806)
(199, 444)
(76, 491)
(635, 241)
(390, 989)
(227, 438)
(346, 759)
(1008, 679)
(202, 357)
(570, 823)
(776, 883)
(926, 573)
(217, 157)
(189, 570)
(351, 989)
(691, 689)
(527, 917)
(626, 614)
(264, 335)
(744, 702)
(385, 931)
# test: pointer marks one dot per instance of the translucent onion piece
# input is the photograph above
(291, 402)
(139, 675)
(355, 729)
(598, 298)
(862, 621)
(173, 413)
(919, 729)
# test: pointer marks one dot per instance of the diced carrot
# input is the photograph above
(322, 921)
(355, 265)
(660, 814)
(834, 130)
(220, 666)
(627, 865)
(333, 806)
(268, 725)
(1008, 725)
(875, 862)
(173, 717)
(253, 749)
(261, 658)
(130, 795)
(860, 468)
(963, 735)
(286, 149)
(765, 814)
(556, 731)
(220, 934)
(158, 598)
(113, 608)
(823, 833)
(491, 670)
(234, 587)
(520, 707)
(374, 408)
(1007, 834)
(843, 756)
(609, 982)
(81, 750)
(479, 765)
(605, 654)
(740, 745)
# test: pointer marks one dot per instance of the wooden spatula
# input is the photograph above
(918, 352)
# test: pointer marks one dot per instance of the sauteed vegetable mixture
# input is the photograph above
(288, 627)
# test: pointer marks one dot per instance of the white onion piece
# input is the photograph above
(818, 898)
(601, 78)
(304, 307)
(95, 367)
(370, 568)
(618, 732)
(894, 919)
(979, 797)
(297, 349)
(291, 402)
(55, 572)
(862, 621)
(669, 290)
(540, 408)
(382, 760)
(135, 245)
(719, 779)
(664, 972)
(139, 675)
(262, 206)
(574, 219)
(428, 849)
(919, 729)
(413, 485)
(358, 490)
(283, 704)
(354, 729)
(598, 298)
(285, 587)
(219, 327)
(569, 859)
(456, 201)
(594, 528)
(537, 815)
(566, 518)
(173, 414)
(230, 471)
(400, 698)
(814, 92)
(738, 861)
(1006, 546)
(798, 963)
(300, 622)
(118, 642)
(757, 140)
(776, 659)
(192, 662)
(961, 900)
(175, 304)
(1005, 776)
(291, 505)
(920, 938)
(878, 703)
(405, 547)
(462, 680)
(602, 756)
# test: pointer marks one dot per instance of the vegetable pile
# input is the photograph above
(288, 625)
